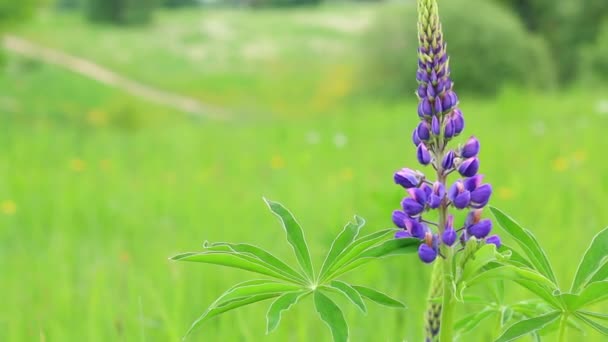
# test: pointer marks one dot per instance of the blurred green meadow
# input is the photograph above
(98, 187)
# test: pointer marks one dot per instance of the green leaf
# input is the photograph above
(603, 317)
(595, 325)
(516, 258)
(592, 294)
(356, 248)
(528, 243)
(259, 253)
(527, 326)
(295, 236)
(341, 242)
(350, 293)
(470, 322)
(481, 258)
(283, 303)
(218, 310)
(533, 281)
(378, 297)
(602, 274)
(331, 314)
(594, 259)
(255, 287)
(387, 248)
(235, 260)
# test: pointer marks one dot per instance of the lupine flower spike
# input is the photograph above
(441, 120)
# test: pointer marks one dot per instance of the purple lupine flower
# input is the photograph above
(469, 167)
(437, 195)
(423, 154)
(441, 120)
(408, 178)
(494, 240)
(470, 148)
(459, 195)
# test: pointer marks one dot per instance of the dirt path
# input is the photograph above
(100, 74)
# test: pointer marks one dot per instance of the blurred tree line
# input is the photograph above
(497, 43)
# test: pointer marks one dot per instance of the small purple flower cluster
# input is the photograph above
(440, 121)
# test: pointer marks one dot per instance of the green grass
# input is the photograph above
(98, 189)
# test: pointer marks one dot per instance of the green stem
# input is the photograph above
(446, 333)
(562, 328)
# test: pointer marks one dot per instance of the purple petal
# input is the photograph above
(449, 237)
(470, 148)
(402, 234)
(494, 240)
(462, 200)
(412, 207)
(473, 182)
(426, 254)
(469, 167)
(424, 157)
(399, 218)
(448, 160)
(423, 131)
(482, 229)
(482, 194)
(407, 178)
(435, 126)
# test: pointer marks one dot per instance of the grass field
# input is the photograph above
(98, 189)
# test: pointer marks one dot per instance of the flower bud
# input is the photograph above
(430, 91)
(449, 100)
(469, 167)
(494, 240)
(448, 131)
(423, 131)
(435, 126)
(418, 194)
(408, 178)
(438, 107)
(480, 230)
(462, 200)
(424, 108)
(424, 157)
(470, 148)
(458, 121)
(399, 218)
(415, 139)
(449, 236)
(448, 160)
(473, 217)
(421, 91)
(426, 253)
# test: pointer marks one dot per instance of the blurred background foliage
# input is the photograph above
(307, 102)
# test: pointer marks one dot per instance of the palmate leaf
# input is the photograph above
(528, 326)
(346, 253)
(295, 236)
(595, 258)
(527, 242)
(283, 303)
(594, 293)
(331, 314)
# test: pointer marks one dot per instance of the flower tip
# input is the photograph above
(494, 240)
